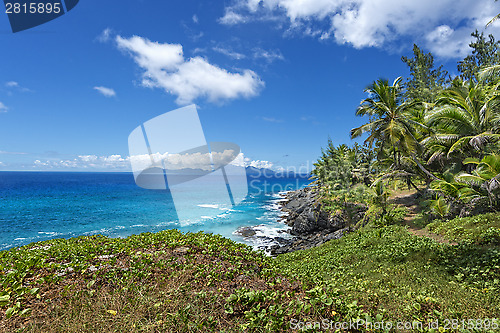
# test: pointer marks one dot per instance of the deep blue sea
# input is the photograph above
(36, 206)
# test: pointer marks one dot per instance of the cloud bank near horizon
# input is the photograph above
(121, 163)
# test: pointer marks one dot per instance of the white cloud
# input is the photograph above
(272, 120)
(107, 92)
(195, 18)
(105, 35)
(14, 85)
(165, 67)
(231, 18)
(3, 108)
(11, 152)
(171, 161)
(197, 160)
(229, 53)
(443, 26)
(268, 55)
(90, 162)
(199, 50)
(258, 164)
(241, 160)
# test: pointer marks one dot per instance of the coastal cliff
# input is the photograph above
(311, 225)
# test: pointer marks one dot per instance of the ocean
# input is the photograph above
(37, 206)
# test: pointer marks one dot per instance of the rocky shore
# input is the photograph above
(310, 226)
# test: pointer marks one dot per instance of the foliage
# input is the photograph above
(465, 123)
(342, 166)
(147, 282)
(389, 124)
(479, 229)
(485, 52)
(403, 277)
(439, 207)
(484, 182)
(380, 195)
(426, 81)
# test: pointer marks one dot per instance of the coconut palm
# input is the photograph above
(391, 124)
(483, 183)
(466, 122)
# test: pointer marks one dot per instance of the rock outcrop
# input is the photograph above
(310, 224)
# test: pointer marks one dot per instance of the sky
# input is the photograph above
(276, 77)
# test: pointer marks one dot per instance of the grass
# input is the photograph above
(404, 277)
(145, 283)
(479, 229)
(153, 282)
(196, 282)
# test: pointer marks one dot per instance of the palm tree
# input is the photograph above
(391, 124)
(493, 19)
(483, 183)
(466, 122)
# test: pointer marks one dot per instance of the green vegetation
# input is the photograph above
(174, 282)
(438, 137)
(403, 277)
(427, 130)
(480, 229)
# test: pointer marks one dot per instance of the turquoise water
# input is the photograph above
(36, 206)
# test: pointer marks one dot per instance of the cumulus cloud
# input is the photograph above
(243, 161)
(197, 160)
(3, 108)
(87, 162)
(165, 67)
(258, 164)
(107, 92)
(443, 26)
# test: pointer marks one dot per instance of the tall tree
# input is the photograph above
(426, 81)
(390, 124)
(485, 53)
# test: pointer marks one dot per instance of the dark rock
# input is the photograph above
(310, 224)
(245, 231)
(305, 214)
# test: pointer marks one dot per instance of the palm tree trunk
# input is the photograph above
(424, 170)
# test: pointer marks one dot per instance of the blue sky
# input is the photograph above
(277, 77)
